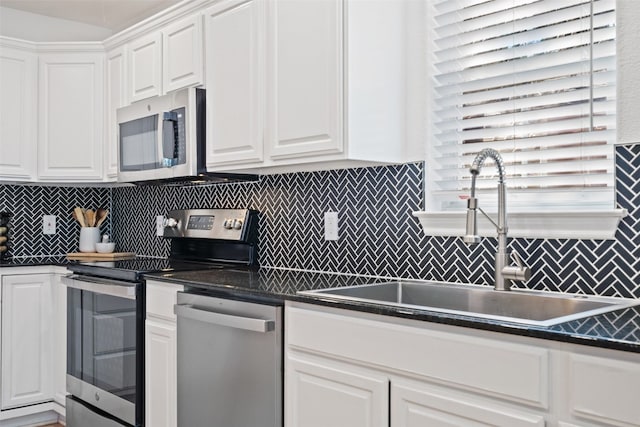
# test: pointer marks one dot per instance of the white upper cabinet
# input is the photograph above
(145, 67)
(116, 98)
(18, 112)
(71, 116)
(335, 86)
(235, 82)
(182, 54)
(165, 60)
(305, 78)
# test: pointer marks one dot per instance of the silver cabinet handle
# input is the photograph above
(228, 320)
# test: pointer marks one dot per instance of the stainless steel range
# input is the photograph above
(106, 312)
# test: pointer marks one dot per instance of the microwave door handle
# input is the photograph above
(170, 139)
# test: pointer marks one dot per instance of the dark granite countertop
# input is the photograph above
(32, 261)
(618, 330)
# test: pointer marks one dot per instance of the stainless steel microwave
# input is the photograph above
(162, 138)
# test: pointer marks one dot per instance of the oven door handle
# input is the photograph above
(229, 320)
(115, 288)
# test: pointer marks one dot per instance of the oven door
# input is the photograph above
(104, 345)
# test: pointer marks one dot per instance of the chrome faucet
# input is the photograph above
(504, 272)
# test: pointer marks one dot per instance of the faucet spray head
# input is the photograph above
(471, 237)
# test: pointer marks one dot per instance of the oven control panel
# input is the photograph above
(201, 222)
(221, 224)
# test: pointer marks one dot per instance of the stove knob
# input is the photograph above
(170, 222)
(228, 224)
(237, 224)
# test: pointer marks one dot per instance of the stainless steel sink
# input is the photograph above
(526, 307)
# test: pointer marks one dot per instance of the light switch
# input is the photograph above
(331, 226)
(49, 224)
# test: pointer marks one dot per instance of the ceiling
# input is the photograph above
(115, 15)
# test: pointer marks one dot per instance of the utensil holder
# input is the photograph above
(89, 236)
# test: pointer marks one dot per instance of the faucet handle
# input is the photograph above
(520, 272)
(517, 259)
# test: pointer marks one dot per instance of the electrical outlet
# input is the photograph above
(48, 224)
(331, 226)
(160, 225)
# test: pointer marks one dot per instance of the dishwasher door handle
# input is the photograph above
(229, 320)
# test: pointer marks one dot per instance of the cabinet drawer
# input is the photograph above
(161, 297)
(495, 368)
(419, 405)
(605, 390)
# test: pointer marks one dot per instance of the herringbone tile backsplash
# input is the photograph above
(29, 203)
(378, 235)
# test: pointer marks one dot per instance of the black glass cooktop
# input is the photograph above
(133, 269)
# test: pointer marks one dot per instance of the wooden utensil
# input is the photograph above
(90, 218)
(101, 215)
(79, 216)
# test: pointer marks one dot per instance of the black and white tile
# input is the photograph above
(29, 203)
(378, 235)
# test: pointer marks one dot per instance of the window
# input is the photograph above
(535, 80)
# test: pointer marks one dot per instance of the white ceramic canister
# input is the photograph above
(89, 236)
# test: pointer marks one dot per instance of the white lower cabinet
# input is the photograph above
(374, 370)
(27, 340)
(33, 352)
(604, 391)
(326, 393)
(414, 404)
(160, 355)
(59, 291)
(160, 375)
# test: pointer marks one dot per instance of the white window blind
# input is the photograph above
(535, 80)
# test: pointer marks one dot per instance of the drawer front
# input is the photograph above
(418, 405)
(510, 371)
(161, 297)
(605, 390)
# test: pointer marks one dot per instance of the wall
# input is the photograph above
(29, 203)
(379, 236)
(628, 61)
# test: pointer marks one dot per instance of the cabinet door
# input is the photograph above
(71, 102)
(321, 393)
(305, 78)
(59, 293)
(235, 88)
(27, 340)
(145, 67)
(160, 374)
(418, 405)
(116, 98)
(18, 84)
(182, 54)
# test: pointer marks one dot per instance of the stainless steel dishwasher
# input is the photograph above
(229, 362)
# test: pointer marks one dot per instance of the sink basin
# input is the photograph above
(516, 306)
